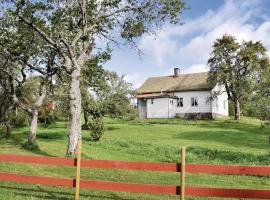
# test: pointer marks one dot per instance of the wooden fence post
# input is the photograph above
(183, 173)
(78, 170)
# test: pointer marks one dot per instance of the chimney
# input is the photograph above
(176, 72)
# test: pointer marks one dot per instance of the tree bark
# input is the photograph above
(74, 112)
(33, 127)
(8, 129)
(237, 110)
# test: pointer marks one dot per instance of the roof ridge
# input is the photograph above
(179, 75)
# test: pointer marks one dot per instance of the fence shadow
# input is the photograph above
(42, 193)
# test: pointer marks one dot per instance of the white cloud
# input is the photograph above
(189, 46)
(135, 79)
(171, 46)
(196, 68)
(157, 48)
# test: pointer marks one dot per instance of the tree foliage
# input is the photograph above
(72, 29)
(258, 104)
(239, 67)
(96, 129)
(26, 62)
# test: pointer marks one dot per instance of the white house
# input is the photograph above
(181, 95)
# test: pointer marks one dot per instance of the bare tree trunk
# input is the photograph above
(74, 112)
(85, 116)
(237, 110)
(33, 127)
(8, 129)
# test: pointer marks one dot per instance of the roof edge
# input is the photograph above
(204, 89)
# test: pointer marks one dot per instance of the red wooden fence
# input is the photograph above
(136, 187)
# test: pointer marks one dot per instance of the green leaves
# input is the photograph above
(132, 28)
(240, 67)
(237, 65)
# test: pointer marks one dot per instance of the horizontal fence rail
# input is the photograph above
(44, 160)
(147, 166)
(228, 169)
(130, 187)
(93, 184)
(229, 193)
(43, 180)
(138, 187)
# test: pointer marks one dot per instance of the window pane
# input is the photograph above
(194, 101)
(180, 102)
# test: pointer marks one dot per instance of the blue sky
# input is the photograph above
(188, 46)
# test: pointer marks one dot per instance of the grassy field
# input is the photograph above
(207, 141)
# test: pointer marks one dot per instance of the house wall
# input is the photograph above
(204, 106)
(159, 109)
(220, 104)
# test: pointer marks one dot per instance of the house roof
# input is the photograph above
(182, 82)
(155, 95)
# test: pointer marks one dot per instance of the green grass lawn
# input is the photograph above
(207, 141)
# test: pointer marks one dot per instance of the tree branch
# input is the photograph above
(127, 8)
(39, 31)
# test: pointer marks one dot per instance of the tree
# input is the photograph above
(258, 104)
(94, 81)
(5, 108)
(239, 67)
(71, 28)
(25, 59)
(118, 95)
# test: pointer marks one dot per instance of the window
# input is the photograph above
(180, 102)
(171, 101)
(194, 101)
(152, 101)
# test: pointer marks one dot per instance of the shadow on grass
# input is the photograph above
(15, 139)
(41, 193)
(231, 137)
(51, 135)
(111, 128)
(230, 124)
(34, 148)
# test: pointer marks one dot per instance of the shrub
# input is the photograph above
(96, 129)
(131, 113)
(118, 106)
